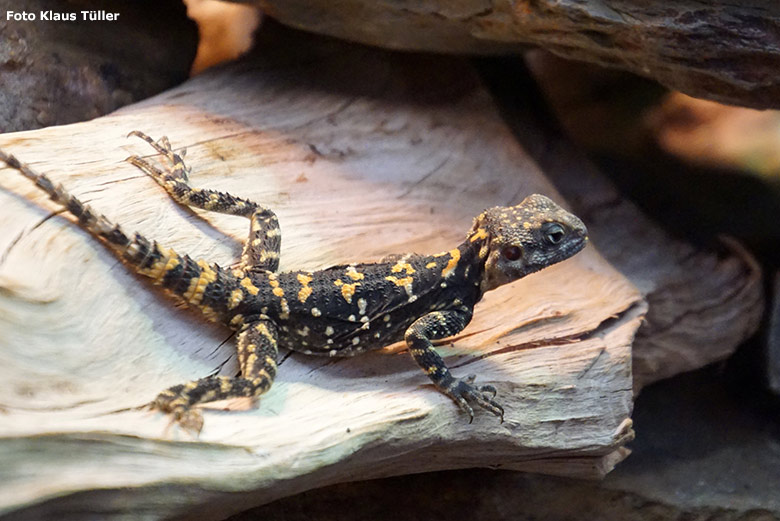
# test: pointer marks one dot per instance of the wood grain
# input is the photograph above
(361, 153)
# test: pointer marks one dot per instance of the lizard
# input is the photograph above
(343, 310)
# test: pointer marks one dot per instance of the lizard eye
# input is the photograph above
(512, 253)
(553, 233)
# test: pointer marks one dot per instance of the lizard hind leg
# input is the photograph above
(257, 355)
(261, 249)
(175, 168)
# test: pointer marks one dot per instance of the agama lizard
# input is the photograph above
(339, 311)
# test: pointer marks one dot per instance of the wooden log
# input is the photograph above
(716, 50)
(361, 153)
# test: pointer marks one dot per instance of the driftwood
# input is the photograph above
(361, 153)
(717, 50)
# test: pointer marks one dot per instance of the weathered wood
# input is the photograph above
(361, 153)
(724, 51)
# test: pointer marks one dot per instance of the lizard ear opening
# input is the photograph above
(512, 253)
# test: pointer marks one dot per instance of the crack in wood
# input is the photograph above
(25, 233)
(601, 329)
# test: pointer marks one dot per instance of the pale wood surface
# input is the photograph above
(361, 154)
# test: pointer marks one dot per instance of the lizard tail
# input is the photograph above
(180, 275)
(98, 225)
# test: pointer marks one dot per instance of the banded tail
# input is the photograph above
(181, 275)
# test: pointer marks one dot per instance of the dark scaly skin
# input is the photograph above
(339, 311)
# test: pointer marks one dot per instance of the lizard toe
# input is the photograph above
(465, 394)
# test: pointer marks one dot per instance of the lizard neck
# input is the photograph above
(470, 268)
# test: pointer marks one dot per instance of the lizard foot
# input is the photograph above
(172, 163)
(191, 420)
(464, 393)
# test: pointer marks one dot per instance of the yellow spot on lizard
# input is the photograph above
(263, 330)
(450, 267)
(194, 293)
(166, 263)
(399, 282)
(402, 266)
(246, 282)
(480, 234)
(225, 385)
(305, 291)
(353, 274)
(274, 283)
(347, 290)
(173, 261)
(236, 296)
(209, 313)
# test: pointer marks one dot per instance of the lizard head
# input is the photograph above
(522, 239)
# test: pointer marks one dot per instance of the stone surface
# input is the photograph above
(773, 338)
(53, 73)
(725, 51)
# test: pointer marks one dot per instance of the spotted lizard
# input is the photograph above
(339, 311)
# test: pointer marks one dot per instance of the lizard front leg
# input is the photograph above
(257, 353)
(441, 324)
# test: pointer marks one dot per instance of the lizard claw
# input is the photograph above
(465, 394)
(191, 420)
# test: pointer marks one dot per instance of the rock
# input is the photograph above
(58, 72)
(717, 50)
(773, 340)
